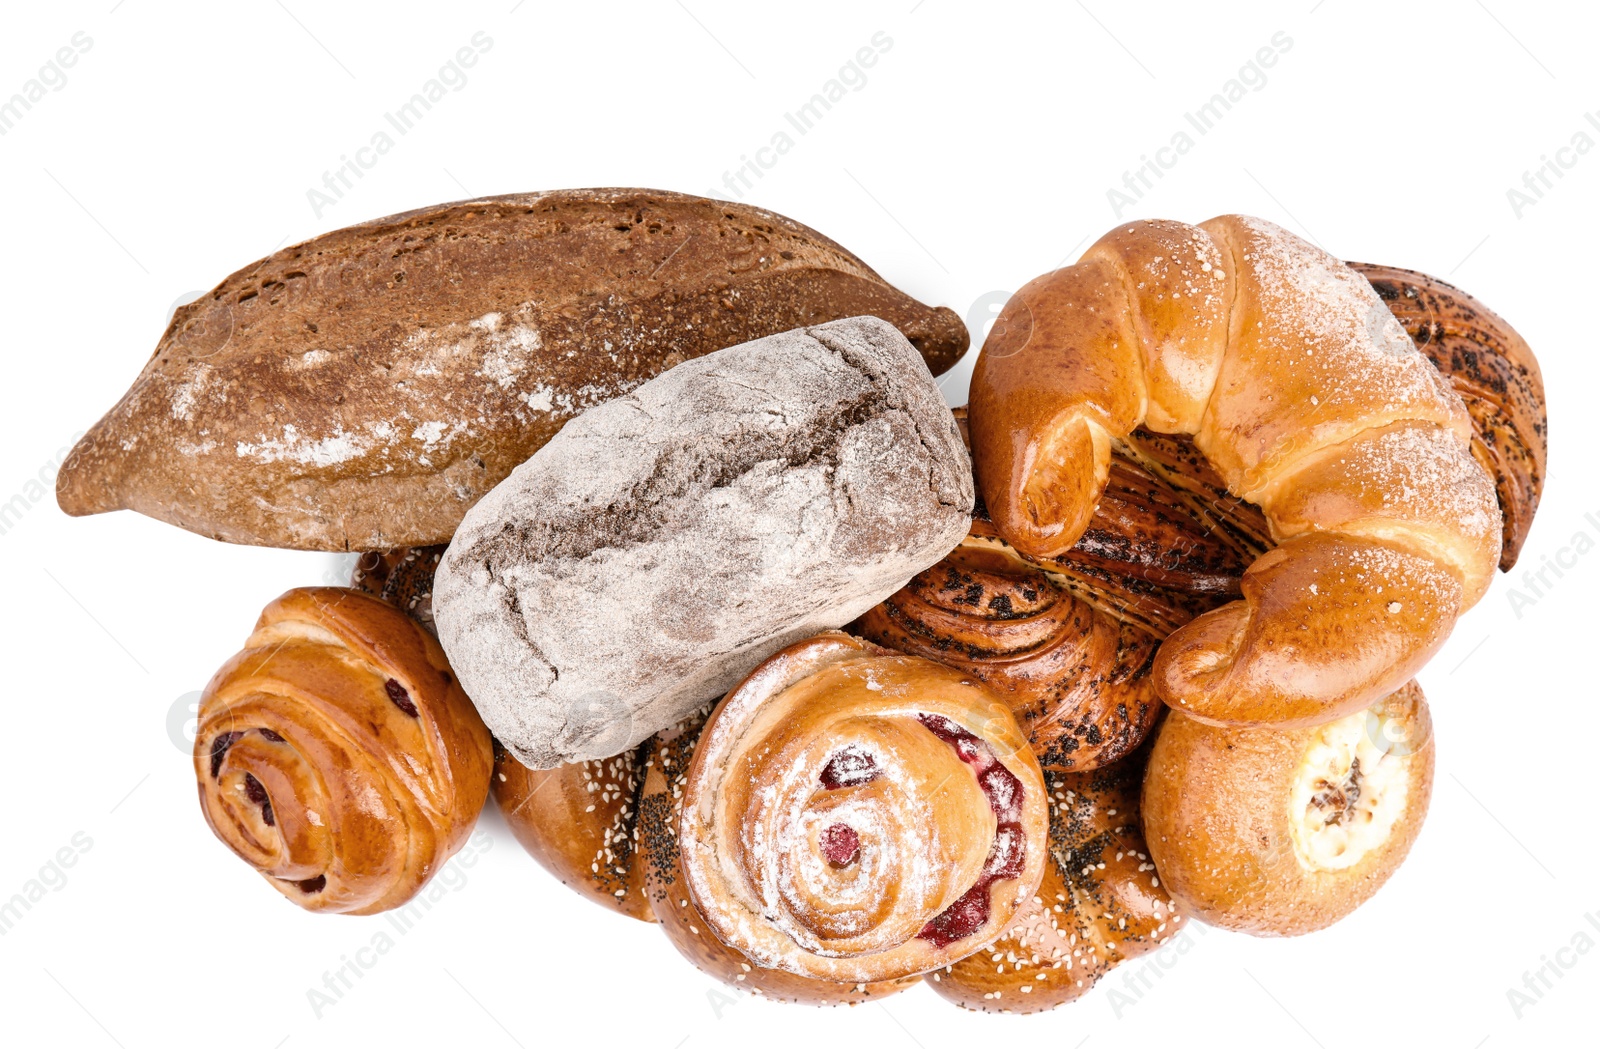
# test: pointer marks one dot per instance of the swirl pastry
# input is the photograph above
(854, 815)
(608, 830)
(1074, 677)
(338, 755)
(660, 863)
(1101, 903)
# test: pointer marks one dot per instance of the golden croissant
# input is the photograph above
(1310, 400)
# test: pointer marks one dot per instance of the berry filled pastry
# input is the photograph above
(855, 815)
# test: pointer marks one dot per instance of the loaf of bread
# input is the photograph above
(362, 390)
(666, 542)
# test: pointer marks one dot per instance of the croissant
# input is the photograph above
(1101, 902)
(1309, 399)
(337, 754)
(858, 816)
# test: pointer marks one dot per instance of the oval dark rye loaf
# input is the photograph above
(362, 390)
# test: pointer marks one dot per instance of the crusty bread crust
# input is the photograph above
(362, 390)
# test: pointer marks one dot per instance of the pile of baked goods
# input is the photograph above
(669, 543)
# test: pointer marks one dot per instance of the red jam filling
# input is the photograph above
(840, 844)
(1007, 854)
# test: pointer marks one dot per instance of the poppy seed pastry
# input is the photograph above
(664, 543)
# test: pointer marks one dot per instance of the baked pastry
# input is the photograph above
(659, 858)
(857, 816)
(1494, 371)
(1069, 641)
(402, 577)
(1308, 398)
(664, 543)
(1100, 904)
(337, 754)
(579, 821)
(1077, 680)
(1280, 832)
(608, 830)
(362, 390)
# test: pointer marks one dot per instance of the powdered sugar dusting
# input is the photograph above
(1426, 473)
(1412, 483)
(757, 856)
(1332, 334)
(1196, 272)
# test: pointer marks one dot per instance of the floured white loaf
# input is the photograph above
(664, 543)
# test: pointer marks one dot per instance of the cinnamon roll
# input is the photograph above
(854, 815)
(337, 754)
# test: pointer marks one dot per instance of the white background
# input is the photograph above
(977, 155)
